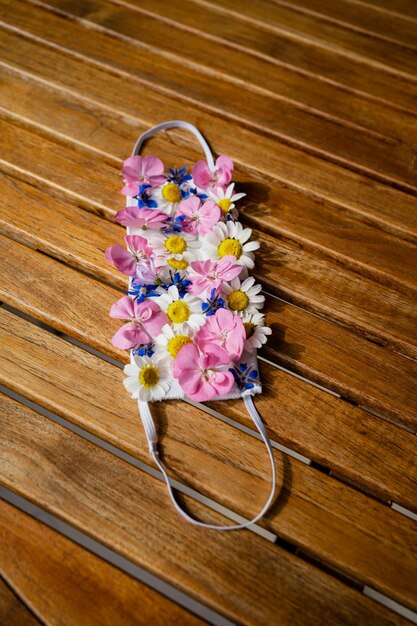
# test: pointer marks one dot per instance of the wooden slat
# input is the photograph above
(361, 537)
(387, 160)
(390, 209)
(136, 522)
(313, 29)
(268, 206)
(354, 367)
(361, 17)
(291, 52)
(74, 310)
(12, 610)
(66, 584)
(406, 8)
(383, 315)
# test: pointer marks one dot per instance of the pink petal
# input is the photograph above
(129, 336)
(132, 168)
(135, 217)
(122, 259)
(201, 174)
(123, 309)
(228, 268)
(187, 360)
(131, 189)
(224, 162)
(222, 382)
(152, 166)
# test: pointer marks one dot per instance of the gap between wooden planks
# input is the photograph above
(52, 378)
(387, 207)
(13, 611)
(319, 136)
(87, 494)
(63, 311)
(385, 315)
(81, 588)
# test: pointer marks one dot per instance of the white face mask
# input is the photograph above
(192, 313)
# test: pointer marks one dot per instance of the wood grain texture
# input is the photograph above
(317, 226)
(361, 18)
(383, 314)
(73, 309)
(12, 610)
(86, 493)
(362, 538)
(269, 51)
(67, 585)
(324, 352)
(392, 210)
(388, 161)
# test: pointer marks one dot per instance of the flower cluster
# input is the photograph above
(192, 311)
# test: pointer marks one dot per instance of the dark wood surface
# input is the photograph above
(315, 102)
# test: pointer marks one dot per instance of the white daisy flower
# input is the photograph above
(256, 332)
(178, 250)
(168, 196)
(243, 297)
(169, 343)
(229, 238)
(183, 313)
(225, 199)
(148, 378)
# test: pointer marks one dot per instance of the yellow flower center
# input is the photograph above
(171, 192)
(149, 376)
(176, 343)
(237, 300)
(230, 246)
(224, 204)
(178, 312)
(178, 265)
(249, 329)
(176, 244)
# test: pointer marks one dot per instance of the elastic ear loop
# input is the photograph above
(144, 410)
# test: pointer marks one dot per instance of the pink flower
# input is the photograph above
(200, 218)
(139, 170)
(221, 177)
(224, 329)
(126, 260)
(134, 217)
(210, 274)
(203, 375)
(145, 320)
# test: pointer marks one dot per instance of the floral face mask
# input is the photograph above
(192, 319)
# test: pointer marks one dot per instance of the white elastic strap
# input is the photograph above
(150, 431)
(176, 124)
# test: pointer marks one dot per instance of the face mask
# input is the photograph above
(192, 314)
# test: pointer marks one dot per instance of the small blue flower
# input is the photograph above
(141, 291)
(180, 283)
(144, 199)
(244, 375)
(214, 302)
(178, 176)
(143, 350)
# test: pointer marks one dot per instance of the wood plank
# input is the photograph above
(324, 352)
(361, 17)
(269, 206)
(384, 315)
(136, 522)
(407, 8)
(81, 588)
(334, 36)
(74, 310)
(388, 161)
(294, 53)
(363, 538)
(12, 610)
(390, 209)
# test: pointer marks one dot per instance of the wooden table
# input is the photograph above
(315, 102)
